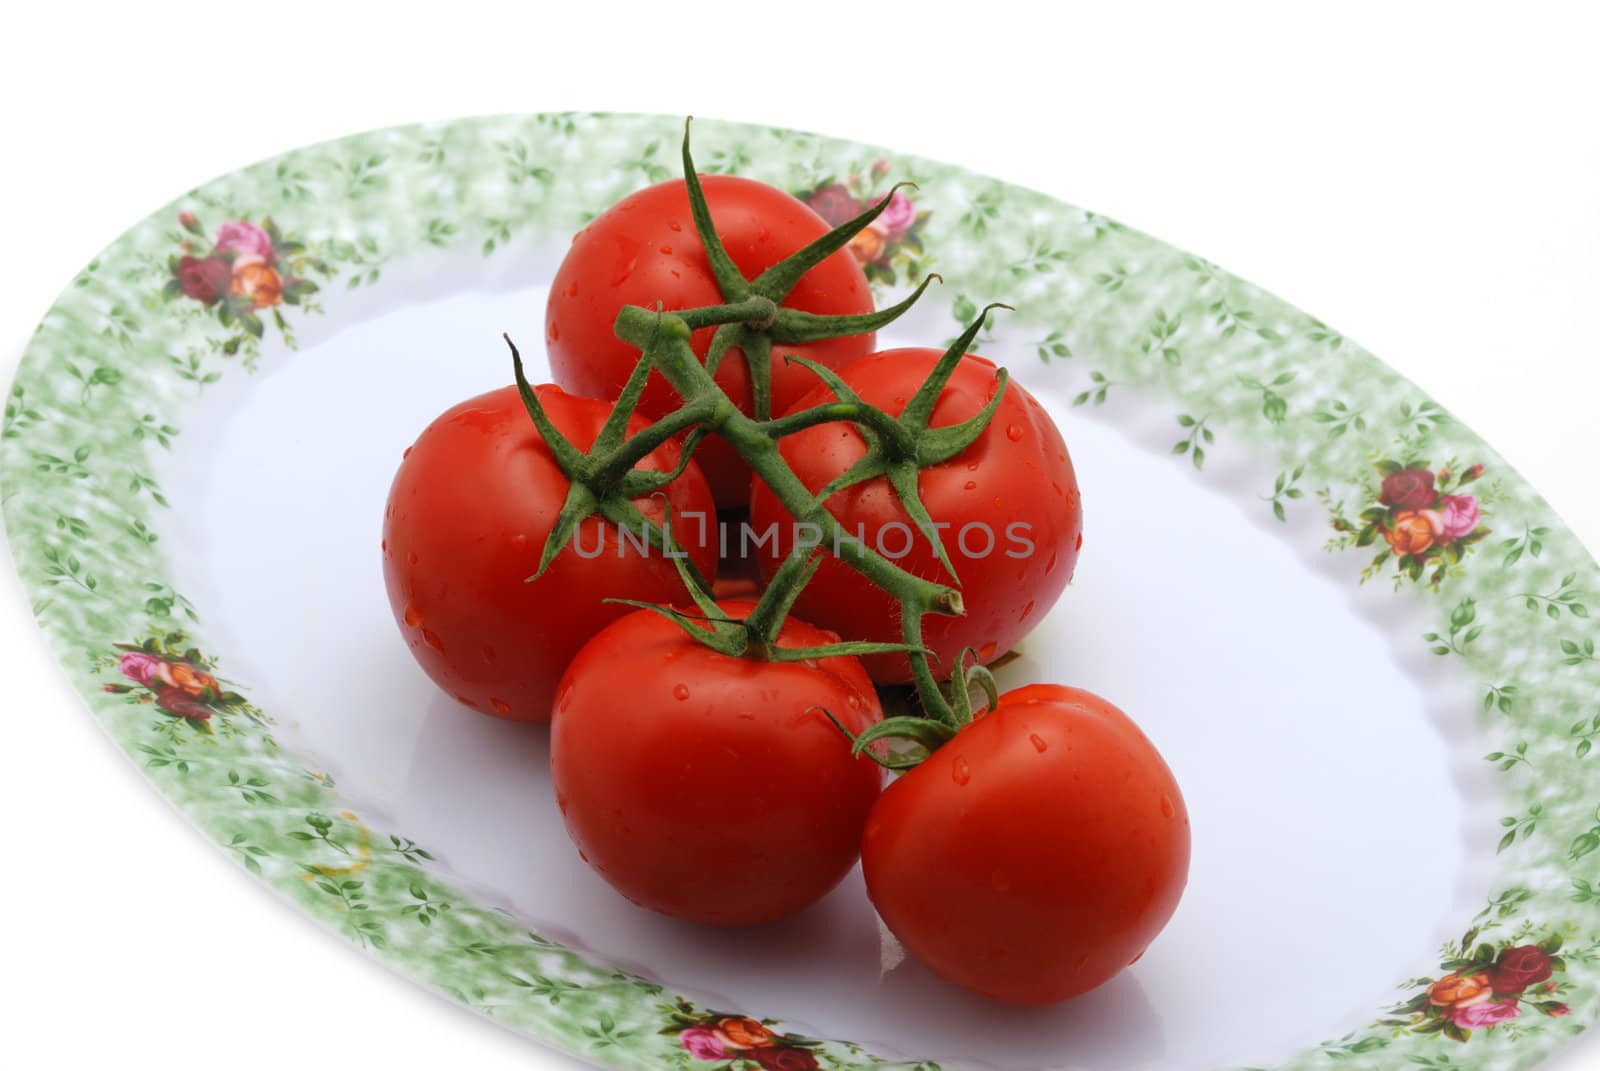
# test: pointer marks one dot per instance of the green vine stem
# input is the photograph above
(751, 317)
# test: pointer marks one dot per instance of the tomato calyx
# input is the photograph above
(925, 735)
(898, 448)
(753, 316)
(597, 484)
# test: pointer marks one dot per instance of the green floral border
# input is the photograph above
(167, 310)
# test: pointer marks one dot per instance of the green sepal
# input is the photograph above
(903, 478)
(778, 280)
(920, 408)
(729, 279)
(962, 681)
(569, 457)
(580, 503)
(637, 484)
(795, 326)
(842, 649)
(718, 637)
(724, 339)
(941, 444)
(926, 734)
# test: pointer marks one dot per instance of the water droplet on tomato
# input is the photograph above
(1057, 488)
(1050, 565)
(972, 466)
(1078, 963)
(413, 617)
(971, 485)
(1137, 958)
(675, 227)
(1038, 742)
(853, 701)
(986, 652)
(572, 291)
(564, 700)
(500, 706)
(666, 251)
(431, 638)
(384, 546)
(1026, 610)
(680, 692)
(412, 557)
(1167, 810)
(960, 772)
(406, 452)
(553, 331)
(1078, 544)
(1013, 432)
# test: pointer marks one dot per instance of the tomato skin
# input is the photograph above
(644, 249)
(1016, 472)
(1036, 854)
(706, 787)
(467, 518)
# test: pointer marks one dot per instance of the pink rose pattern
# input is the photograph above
(1486, 1013)
(139, 666)
(1486, 987)
(702, 1043)
(890, 249)
(243, 238)
(1459, 516)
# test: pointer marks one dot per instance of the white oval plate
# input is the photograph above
(1387, 759)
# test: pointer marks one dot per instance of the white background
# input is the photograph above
(1422, 177)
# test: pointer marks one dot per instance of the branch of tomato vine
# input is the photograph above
(664, 340)
(751, 318)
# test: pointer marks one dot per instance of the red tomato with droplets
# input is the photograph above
(644, 250)
(1009, 504)
(708, 787)
(1034, 855)
(468, 514)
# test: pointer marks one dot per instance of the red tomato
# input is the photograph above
(708, 787)
(644, 249)
(1009, 502)
(465, 527)
(1034, 855)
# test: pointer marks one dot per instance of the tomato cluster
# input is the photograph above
(551, 553)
